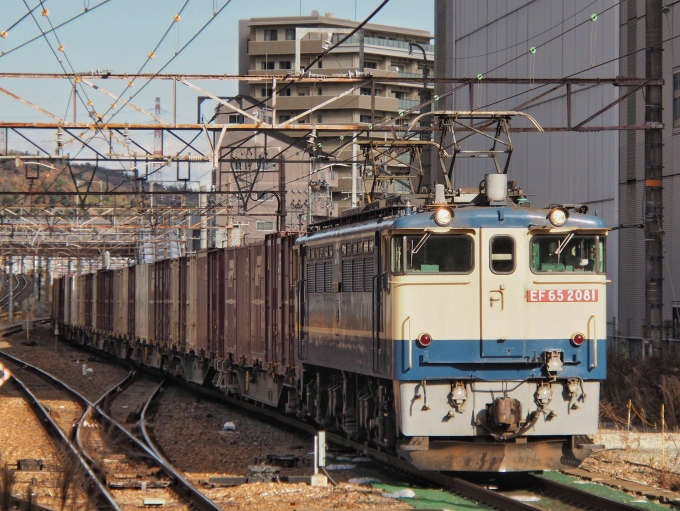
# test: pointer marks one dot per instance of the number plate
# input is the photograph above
(562, 295)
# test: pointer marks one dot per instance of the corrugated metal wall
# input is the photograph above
(632, 175)
(554, 167)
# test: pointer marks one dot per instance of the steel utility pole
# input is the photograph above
(653, 175)
(425, 96)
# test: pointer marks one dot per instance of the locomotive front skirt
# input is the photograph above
(466, 339)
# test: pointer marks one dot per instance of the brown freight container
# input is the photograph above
(73, 307)
(105, 302)
(257, 304)
(182, 304)
(89, 298)
(163, 300)
(131, 302)
(175, 318)
(216, 301)
(143, 302)
(202, 314)
(280, 300)
(120, 290)
(192, 288)
(242, 312)
(229, 303)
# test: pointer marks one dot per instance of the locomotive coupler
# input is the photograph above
(505, 413)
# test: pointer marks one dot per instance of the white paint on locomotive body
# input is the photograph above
(486, 321)
(440, 419)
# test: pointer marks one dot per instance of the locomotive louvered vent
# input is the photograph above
(357, 275)
(328, 277)
(347, 275)
(369, 271)
(311, 278)
(319, 277)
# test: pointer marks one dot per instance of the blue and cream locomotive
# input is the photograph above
(465, 338)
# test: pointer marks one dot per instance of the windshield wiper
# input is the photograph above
(414, 250)
(561, 246)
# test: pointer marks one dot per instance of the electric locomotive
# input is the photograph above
(476, 331)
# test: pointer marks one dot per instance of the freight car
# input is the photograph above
(463, 335)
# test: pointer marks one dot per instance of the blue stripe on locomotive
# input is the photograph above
(468, 217)
(498, 217)
(463, 359)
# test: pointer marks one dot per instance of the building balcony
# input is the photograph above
(387, 43)
(283, 47)
(349, 102)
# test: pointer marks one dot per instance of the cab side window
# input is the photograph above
(502, 255)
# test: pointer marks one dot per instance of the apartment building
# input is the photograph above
(276, 47)
(267, 46)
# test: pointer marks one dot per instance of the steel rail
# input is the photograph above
(183, 487)
(88, 412)
(575, 496)
(105, 500)
(198, 499)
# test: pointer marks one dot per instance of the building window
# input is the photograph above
(365, 118)
(265, 226)
(284, 64)
(319, 91)
(319, 118)
(365, 91)
(371, 65)
(290, 34)
(271, 35)
(235, 119)
(265, 92)
(676, 100)
(285, 92)
(267, 65)
(283, 118)
(398, 94)
(301, 94)
(320, 64)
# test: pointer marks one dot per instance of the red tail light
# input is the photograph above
(577, 339)
(424, 340)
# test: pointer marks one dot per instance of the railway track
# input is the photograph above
(469, 488)
(57, 426)
(500, 497)
(114, 459)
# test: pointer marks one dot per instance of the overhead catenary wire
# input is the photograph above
(5, 53)
(215, 15)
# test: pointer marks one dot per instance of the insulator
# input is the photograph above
(196, 157)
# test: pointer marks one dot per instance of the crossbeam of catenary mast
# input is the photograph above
(619, 81)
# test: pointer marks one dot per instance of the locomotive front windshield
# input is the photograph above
(432, 253)
(568, 253)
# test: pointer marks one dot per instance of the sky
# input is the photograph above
(118, 36)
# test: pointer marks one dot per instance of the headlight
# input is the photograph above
(443, 216)
(558, 217)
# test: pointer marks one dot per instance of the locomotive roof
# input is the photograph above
(470, 217)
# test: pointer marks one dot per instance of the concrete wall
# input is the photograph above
(493, 37)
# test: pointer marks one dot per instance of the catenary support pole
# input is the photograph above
(653, 176)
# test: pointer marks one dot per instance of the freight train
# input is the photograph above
(458, 331)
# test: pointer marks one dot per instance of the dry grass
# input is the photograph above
(7, 480)
(647, 384)
(68, 480)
